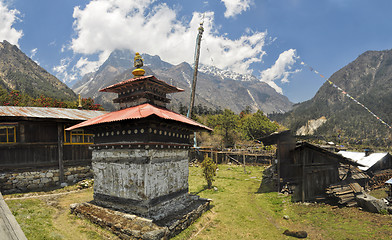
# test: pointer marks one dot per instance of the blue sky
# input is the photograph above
(267, 38)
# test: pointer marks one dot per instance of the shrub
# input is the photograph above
(209, 170)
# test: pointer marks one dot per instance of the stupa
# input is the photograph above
(140, 152)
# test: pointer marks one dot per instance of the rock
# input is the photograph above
(63, 184)
(370, 203)
(286, 217)
(297, 234)
(215, 189)
(155, 234)
(73, 206)
(389, 210)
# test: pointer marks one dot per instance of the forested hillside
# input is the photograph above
(368, 79)
(19, 72)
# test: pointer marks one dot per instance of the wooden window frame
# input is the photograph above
(8, 126)
(77, 133)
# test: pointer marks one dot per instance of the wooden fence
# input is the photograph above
(236, 156)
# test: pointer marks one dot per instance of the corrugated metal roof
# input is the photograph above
(139, 112)
(356, 173)
(359, 157)
(48, 112)
(116, 87)
(301, 145)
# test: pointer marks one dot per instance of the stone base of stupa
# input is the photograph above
(151, 183)
(131, 226)
(155, 209)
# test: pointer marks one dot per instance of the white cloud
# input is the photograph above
(235, 7)
(33, 52)
(281, 70)
(62, 71)
(7, 19)
(152, 27)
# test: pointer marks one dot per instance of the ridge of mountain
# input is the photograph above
(215, 88)
(19, 72)
(368, 80)
(226, 74)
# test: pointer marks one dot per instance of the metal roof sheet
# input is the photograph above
(116, 87)
(48, 112)
(139, 112)
(359, 157)
(389, 181)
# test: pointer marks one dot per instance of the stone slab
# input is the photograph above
(130, 226)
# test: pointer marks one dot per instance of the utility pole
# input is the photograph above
(198, 43)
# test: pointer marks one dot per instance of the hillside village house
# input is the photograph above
(34, 145)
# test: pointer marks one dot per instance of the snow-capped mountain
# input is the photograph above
(216, 88)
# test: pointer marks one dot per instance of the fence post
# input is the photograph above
(60, 147)
(243, 160)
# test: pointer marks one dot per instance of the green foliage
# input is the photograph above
(225, 124)
(15, 98)
(198, 110)
(257, 125)
(209, 171)
(233, 128)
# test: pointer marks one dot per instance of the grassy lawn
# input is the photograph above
(239, 212)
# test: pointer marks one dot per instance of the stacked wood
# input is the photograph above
(344, 192)
(378, 180)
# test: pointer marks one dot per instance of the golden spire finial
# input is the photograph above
(80, 103)
(138, 63)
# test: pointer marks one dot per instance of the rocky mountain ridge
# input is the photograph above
(19, 72)
(367, 79)
(215, 88)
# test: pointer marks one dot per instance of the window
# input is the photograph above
(78, 137)
(8, 133)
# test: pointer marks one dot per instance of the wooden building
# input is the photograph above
(35, 138)
(310, 169)
(313, 169)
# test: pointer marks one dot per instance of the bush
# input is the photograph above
(209, 170)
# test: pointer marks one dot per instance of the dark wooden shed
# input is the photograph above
(308, 168)
(313, 169)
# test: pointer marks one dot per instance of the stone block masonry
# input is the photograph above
(149, 182)
(36, 180)
(129, 226)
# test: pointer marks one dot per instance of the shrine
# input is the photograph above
(140, 152)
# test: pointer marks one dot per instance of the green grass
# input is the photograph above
(49, 217)
(380, 192)
(239, 211)
(34, 218)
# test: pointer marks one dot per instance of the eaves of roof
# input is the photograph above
(122, 85)
(48, 113)
(140, 112)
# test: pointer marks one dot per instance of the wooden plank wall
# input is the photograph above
(42, 155)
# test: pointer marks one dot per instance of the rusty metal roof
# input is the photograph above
(139, 112)
(118, 87)
(48, 112)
